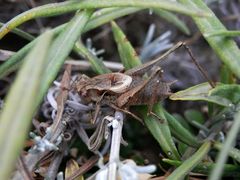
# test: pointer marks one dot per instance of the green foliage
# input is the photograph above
(160, 131)
(42, 58)
(127, 53)
(225, 48)
(228, 91)
(96, 63)
(180, 132)
(193, 115)
(223, 33)
(61, 47)
(226, 76)
(18, 111)
(200, 92)
(206, 168)
(190, 163)
(172, 18)
(69, 6)
(223, 155)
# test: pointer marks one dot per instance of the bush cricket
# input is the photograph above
(121, 90)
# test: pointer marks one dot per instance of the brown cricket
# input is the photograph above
(121, 90)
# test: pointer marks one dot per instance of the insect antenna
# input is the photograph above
(175, 47)
(200, 68)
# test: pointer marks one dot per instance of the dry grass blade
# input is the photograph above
(61, 99)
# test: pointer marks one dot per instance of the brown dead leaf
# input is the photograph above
(71, 167)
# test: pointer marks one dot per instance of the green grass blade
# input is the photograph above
(101, 18)
(162, 4)
(18, 110)
(206, 167)
(98, 18)
(15, 60)
(183, 122)
(190, 163)
(224, 33)
(20, 33)
(160, 131)
(96, 63)
(61, 47)
(180, 132)
(226, 76)
(225, 48)
(228, 91)
(193, 115)
(200, 92)
(127, 53)
(59, 50)
(172, 18)
(233, 152)
(69, 6)
(105, 15)
(223, 155)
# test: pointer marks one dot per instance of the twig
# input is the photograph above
(85, 65)
(33, 159)
(22, 168)
(61, 99)
(57, 159)
(78, 63)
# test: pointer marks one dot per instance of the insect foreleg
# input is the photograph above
(126, 111)
(98, 106)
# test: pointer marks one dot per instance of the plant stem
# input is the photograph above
(115, 146)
